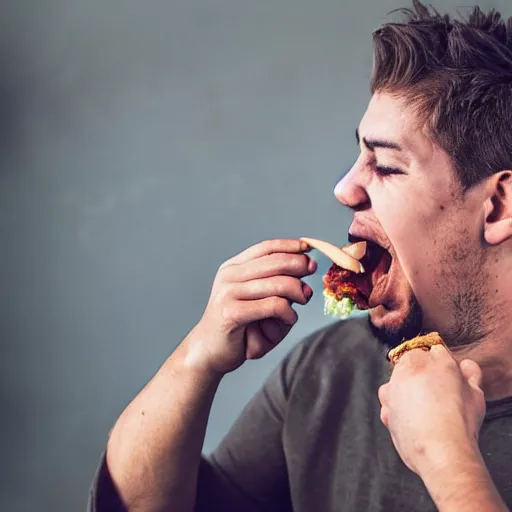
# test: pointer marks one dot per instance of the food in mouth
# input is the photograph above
(346, 257)
(349, 281)
(423, 342)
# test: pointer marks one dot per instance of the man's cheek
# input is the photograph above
(422, 276)
(412, 260)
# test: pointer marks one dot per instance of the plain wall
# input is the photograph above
(141, 145)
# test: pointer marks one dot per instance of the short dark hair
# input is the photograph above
(457, 75)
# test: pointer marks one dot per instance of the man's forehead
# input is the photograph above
(388, 118)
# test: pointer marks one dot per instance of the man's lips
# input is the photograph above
(359, 232)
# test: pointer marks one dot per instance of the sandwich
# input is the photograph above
(349, 281)
(424, 342)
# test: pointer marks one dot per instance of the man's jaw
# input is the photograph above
(395, 313)
(393, 326)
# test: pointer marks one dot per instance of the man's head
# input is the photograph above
(433, 181)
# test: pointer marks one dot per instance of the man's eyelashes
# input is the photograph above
(387, 171)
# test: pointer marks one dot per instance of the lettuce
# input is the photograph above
(338, 308)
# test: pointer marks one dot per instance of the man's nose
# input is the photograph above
(350, 190)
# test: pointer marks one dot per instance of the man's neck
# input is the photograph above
(494, 356)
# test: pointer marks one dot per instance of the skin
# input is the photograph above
(434, 408)
(154, 449)
(455, 278)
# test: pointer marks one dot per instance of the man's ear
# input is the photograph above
(498, 208)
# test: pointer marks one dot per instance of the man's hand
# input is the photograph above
(250, 307)
(433, 408)
(154, 450)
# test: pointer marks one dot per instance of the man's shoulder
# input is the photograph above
(349, 340)
(344, 348)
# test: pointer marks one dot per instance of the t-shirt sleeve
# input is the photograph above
(247, 471)
(103, 495)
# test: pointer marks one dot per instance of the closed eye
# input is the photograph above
(382, 170)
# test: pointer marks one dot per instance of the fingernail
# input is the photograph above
(308, 292)
(312, 266)
(304, 246)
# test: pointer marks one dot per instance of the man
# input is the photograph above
(332, 429)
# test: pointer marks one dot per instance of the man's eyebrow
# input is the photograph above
(372, 144)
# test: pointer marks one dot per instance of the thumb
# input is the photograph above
(471, 372)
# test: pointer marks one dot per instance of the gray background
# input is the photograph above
(142, 144)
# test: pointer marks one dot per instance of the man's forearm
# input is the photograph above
(155, 447)
(464, 486)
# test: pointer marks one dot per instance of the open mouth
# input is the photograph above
(377, 263)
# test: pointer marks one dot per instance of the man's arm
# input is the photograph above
(240, 474)
(154, 450)
(465, 485)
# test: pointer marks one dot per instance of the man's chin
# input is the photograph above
(394, 325)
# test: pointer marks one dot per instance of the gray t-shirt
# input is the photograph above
(311, 439)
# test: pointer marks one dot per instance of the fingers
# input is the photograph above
(281, 286)
(384, 416)
(268, 247)
(263, 336)
(284, 264)
(412, 360)
(383, 394)
(274, 330)
(243, 313)
(440, 351)
(257, 343)
(472, 372)
(417, 358)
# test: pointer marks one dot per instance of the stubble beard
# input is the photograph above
(468, 304)
(411, 326)
(468, 326)
(468, 309)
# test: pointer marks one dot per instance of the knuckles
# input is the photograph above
(418, 360)
(296, 263)
(222, 293)
(279, 306)
(384, 416)
(256, 353)
(276, 264)
(226, 273)
(383, 393)
(281, 263)
(303, 263)
(284, 286)
(229, 317)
